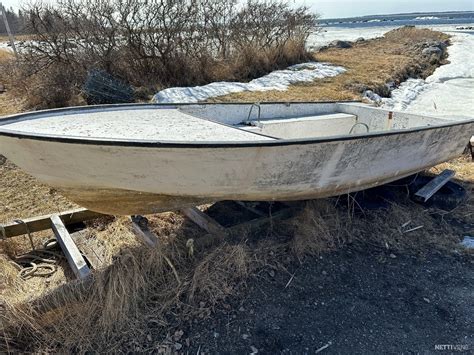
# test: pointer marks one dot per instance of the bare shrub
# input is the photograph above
(158, 43)
(56, 85)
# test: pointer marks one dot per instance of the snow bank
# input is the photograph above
(330, 34)
(277, 80)
(403, 96)
(448, 92)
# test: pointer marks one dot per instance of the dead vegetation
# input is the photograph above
(5, 55)
(21, 192)
(8, 105)
(370, 64)
(192, 43)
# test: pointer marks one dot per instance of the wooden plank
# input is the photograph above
(93, 251)
(141, 230)
(251, 209)
(207, 223)
(425, 193)
(238, 231)
(36, 224)
(259, 222)
(70, 250)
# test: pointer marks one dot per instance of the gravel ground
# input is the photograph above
(349, 302)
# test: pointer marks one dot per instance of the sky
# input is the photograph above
(349, 8)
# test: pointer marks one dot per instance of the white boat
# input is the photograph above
(148, 158)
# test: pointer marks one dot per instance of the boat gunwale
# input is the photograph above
(202, 144)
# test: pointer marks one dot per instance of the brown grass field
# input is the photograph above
(369, 64)
(136, 289)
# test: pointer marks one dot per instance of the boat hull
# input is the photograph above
(127, 179)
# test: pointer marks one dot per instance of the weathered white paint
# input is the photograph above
(145, 179)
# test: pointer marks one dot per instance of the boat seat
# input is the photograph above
(305, 127)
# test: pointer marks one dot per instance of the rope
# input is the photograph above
(39, 262)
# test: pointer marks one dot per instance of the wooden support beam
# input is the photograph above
(141, 230)
(239, 231)
(70, 250)
(425, 193)
(259, 222)
(207, 223)
(36, 224)
(251, 209)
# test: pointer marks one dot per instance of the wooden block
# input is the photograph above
(425, 193)
(36, 224)
(207, 223)
(70, 250)
(141, 230)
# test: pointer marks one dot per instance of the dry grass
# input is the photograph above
(5, 39)
(129, 298)
(370, 65)
(5, 55)
(8, 104)
(21, 192)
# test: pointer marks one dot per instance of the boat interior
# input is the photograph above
(216, 122)
(308, 120)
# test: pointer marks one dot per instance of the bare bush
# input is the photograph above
(160, 43)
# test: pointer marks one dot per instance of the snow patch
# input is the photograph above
(277, 80)
(427, 18)
(403, 96)
(5, 46)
